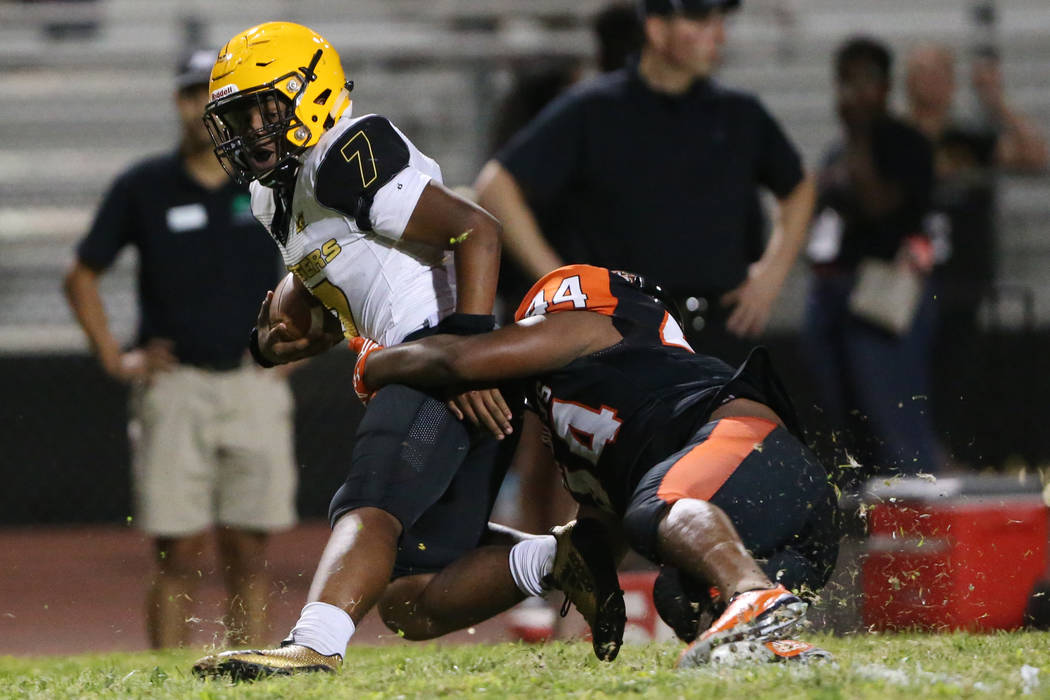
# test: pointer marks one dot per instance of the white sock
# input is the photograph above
(324, 628)
(530, 561)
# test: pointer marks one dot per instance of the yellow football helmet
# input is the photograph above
(275, 89)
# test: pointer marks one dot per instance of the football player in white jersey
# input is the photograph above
(363, 220)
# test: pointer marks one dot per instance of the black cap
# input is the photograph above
(684, 7)
(194, 68)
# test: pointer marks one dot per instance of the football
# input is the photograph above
(300, 310)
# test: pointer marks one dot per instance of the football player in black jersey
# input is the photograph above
(696, 465)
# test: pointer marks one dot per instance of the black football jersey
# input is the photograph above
(614, 414)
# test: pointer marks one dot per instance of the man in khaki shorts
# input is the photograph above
(211, 433)
(212, 446)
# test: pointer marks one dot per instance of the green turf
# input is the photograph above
(867, 666)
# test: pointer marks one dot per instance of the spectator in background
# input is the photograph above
(659, 147)
(874, 191)
(211, 433)
(534, 85)
(618, 35)
(1019, 146)
(962, 225)
(656, 146)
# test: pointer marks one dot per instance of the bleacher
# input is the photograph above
(81, 104)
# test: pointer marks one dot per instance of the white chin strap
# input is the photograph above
(342, 105)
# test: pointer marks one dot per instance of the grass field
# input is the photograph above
(867, 666)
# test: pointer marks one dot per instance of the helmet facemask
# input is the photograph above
(257, 133)
(250, 131)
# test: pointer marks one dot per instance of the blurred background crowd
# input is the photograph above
(960, 314)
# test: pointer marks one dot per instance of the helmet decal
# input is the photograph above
(225, 91)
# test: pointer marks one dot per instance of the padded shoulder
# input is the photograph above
(364, 158)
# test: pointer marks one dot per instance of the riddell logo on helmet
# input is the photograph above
(224, 91)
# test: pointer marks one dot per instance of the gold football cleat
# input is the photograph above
(585, 570)
(253, 664)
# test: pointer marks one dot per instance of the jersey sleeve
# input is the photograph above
(546, 155)
(366, 175)
(263, 208)
(395, 201)
(112, 228)
(779, 162)
(569, 288)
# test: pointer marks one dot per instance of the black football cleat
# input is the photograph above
(585, 570)
(686, 606)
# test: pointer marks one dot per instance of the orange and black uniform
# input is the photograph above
(630, 428)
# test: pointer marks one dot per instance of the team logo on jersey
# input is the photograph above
(314, 261)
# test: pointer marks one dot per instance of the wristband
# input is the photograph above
(363, 347)
(466, 324)
(256, 351)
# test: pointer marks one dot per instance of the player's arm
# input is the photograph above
(528, 348)
(444, 219)
(275, 345)
(369, 176)
(526, 245)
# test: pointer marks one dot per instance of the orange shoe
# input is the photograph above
(764, 615)
(776, 651)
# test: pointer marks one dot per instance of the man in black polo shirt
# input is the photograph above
(211, 433)
(656, 168)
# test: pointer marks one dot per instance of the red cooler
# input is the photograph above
(955, 553)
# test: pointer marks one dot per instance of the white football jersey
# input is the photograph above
(348, 250)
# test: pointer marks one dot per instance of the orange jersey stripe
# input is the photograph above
(702, 471)
(569, 288)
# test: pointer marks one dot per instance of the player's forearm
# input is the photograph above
(81, 289)
(520, 350)
(477, 265)
(523, 240)
(424, 364)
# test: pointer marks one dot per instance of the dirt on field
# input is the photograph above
(67, 591)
